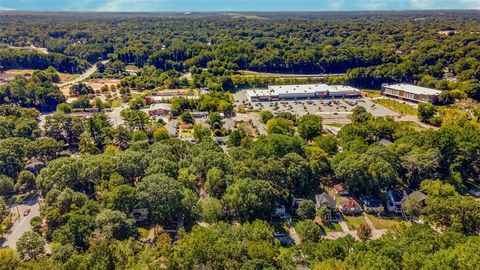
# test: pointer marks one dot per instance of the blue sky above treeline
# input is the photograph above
(235, 5)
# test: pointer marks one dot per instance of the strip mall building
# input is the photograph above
(411, 93)
(288, 92)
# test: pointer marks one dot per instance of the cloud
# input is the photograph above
(5, 8)
(132, 5)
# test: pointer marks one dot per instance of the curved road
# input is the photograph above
(83, 76)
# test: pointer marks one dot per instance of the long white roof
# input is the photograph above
(302, 88)
(274, 90)
(414, 89)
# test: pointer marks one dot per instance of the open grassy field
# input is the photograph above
(372, 93)
(396, 106)
(354, 221)
(386, 222)
(64, 77)
(332, 227)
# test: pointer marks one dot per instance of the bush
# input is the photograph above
(36, 222)
(64, 107)
(160, 133)
(139, 136)
(364, 232)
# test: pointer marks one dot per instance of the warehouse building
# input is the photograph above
(411, 93)
(286, 92)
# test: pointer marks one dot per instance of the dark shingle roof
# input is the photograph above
(325, 199)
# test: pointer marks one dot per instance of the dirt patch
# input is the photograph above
(96, 84)
(248, 128)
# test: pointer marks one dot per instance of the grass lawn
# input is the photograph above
(354, 221)
(332, 227)
(413, 125)
(386, 222)
(186, 134)
(337, 125)
(117, 103)
(372, 93)
(397, 106)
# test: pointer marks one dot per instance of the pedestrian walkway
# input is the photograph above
(342, 223)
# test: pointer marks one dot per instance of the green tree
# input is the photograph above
(82, 102)
(216, 182)
(310, 126)
(6, 185)
(187, 118)
(122, 198)
(364, 232)
(26, 182)
(306, 210)
(280, 126)
(113, 224)
(308, 231)
(81, 89)
(162, 195)
(250, 199)
(360, 115)
(215, 120)
(235, 137)
(327, 143)
(30, 246)
(426, 111)
(9, 259)
(200, 132)
(64, 107)
(412, 205)
(211, 210)
(265, 116)
(160, 133)
(46, 149)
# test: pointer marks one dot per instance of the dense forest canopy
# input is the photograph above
(373, 48)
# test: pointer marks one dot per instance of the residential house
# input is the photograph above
(329, 202)
(341, 189)
(394, 200)
(372, 205)
(350, 207)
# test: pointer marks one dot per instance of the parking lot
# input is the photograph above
(327, 108)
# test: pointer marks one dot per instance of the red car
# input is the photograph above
(27, 211)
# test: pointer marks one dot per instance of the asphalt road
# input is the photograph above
(82, 76)
(22, 225)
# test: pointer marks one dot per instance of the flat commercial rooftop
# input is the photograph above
(160, 106)
(414, 89)
(276, 90)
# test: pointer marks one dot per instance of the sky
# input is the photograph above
(234, 5)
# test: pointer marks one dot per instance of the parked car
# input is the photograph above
(26, 212)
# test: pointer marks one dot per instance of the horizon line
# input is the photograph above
(244, 11)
